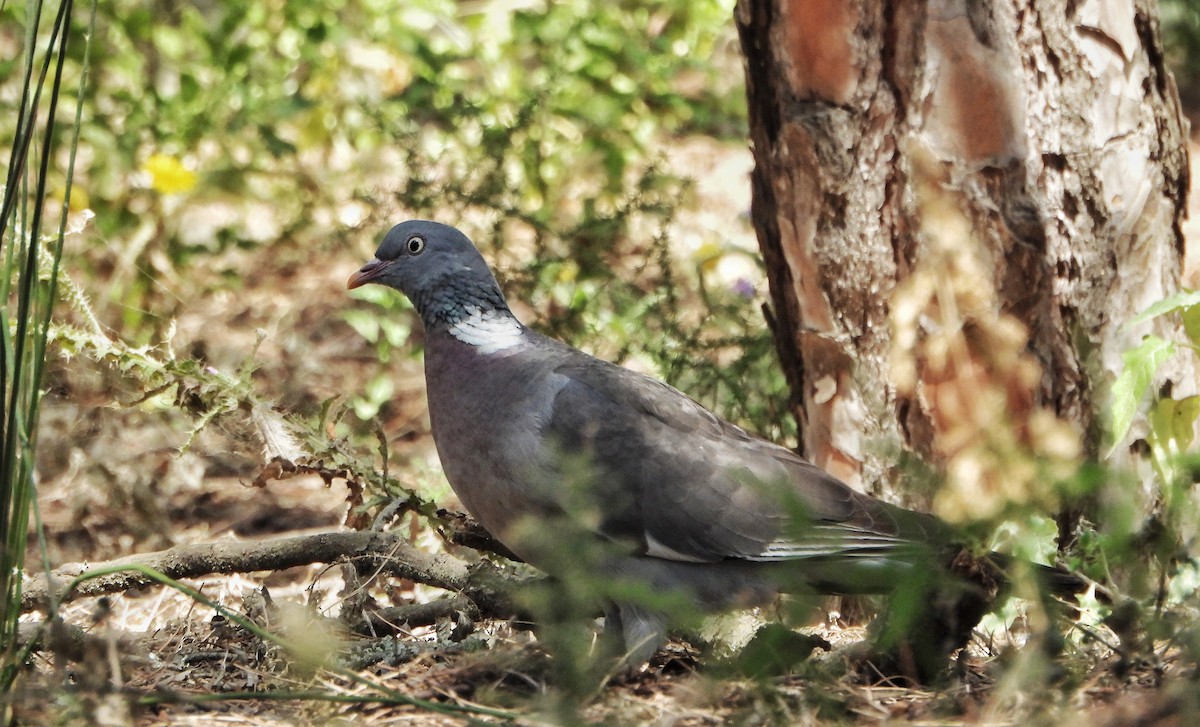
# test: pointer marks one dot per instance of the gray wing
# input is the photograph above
(682, 484)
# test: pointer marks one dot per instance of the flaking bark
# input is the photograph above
(1057, 130)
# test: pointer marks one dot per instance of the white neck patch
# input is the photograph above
(488, 331)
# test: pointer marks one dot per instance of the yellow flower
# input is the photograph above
(568, 272)
(79, 196)
(708, 255)
(168, 175)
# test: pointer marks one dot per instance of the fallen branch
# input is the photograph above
(483, 583)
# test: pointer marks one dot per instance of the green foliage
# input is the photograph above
(1169, 421)
(216, 128)
(1181, 37)
(281, 102)
(1129, 390)
(776, 650)
(30, 256)
(291, 443)
(381, 326)
(1167, 538)
(1158, 550)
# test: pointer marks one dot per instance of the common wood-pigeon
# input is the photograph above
(542, 442)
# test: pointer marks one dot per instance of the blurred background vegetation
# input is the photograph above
(289, 132)
(238, 162)
(1181, 36)
(229, 150)
(292, 129)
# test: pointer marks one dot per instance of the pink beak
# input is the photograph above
(367, 273)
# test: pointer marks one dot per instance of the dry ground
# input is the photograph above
(113, 482)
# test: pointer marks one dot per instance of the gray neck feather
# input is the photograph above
(457, 297)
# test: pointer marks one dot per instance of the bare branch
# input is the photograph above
(389, 553)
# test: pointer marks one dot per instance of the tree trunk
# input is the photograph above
(960, 204)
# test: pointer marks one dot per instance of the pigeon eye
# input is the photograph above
(415, 244)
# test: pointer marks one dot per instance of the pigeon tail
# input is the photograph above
(1058, 581)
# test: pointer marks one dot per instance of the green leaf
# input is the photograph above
(1182, 301)
(395, 331)
(1191, 323)
(1130, 387)
(378, 391)
(776, 650)
(364, 322)
(275, 144)
(1172, 431)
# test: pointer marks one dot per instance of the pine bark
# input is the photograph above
(1054, 131)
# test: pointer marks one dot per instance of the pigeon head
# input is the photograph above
(438, 268)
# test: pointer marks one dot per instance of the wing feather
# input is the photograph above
(683, 484)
